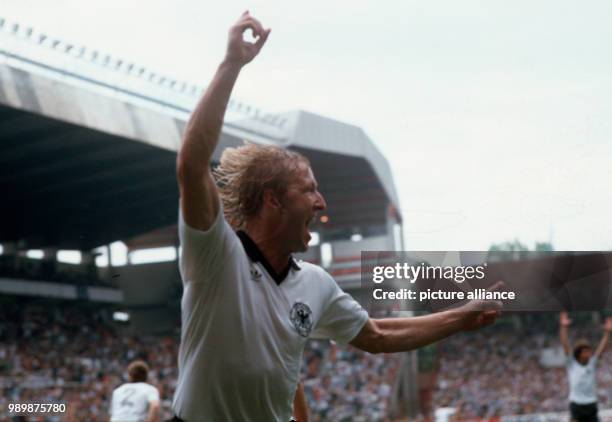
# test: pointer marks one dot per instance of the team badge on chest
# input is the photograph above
(301, 318)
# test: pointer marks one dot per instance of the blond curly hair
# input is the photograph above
(245, 172)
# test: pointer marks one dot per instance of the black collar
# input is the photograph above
(255, 255)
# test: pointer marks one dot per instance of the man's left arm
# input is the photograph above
(153, 415)
(605, 339)
(392, 335)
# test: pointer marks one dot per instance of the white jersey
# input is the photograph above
(244, 327)
(130, 402)
(582, 384)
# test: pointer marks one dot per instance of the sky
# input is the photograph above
(495, 116)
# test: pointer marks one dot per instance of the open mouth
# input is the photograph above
(310, 221)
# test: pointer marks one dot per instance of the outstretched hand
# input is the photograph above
(481, 313)
(240, 51)
(608, 326)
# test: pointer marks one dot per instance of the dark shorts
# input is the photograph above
(584, 412)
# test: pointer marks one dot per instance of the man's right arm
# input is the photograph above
(564, 323)
(199, 196)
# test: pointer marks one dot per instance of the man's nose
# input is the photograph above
(320, 203)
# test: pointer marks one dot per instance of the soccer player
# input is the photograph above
(581, 367)
(248, 307)
(135, 401)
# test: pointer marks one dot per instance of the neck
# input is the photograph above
(269, 243)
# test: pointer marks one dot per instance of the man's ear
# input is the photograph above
(271, 200)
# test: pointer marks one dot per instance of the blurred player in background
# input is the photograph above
(248, 306)
(581, 367)
(135, 401)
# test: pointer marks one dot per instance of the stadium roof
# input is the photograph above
(88, 161)
(308, 131)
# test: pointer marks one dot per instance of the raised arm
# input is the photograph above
(153, 413)
(605, 339)
(564, 323)
(300, 404)
(392, 335)
(199, 196)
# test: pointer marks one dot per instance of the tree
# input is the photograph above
(515, 250)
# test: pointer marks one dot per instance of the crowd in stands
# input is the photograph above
(77, 356)
(498, 371)
(343, 383)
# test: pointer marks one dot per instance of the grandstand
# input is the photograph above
(88, 272)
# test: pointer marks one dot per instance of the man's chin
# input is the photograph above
(306, 241)
(303, 246)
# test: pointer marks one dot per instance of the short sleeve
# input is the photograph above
(152, 394)
(204, 252)
(342, 318)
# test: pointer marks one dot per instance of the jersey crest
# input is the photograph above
(301, 318)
